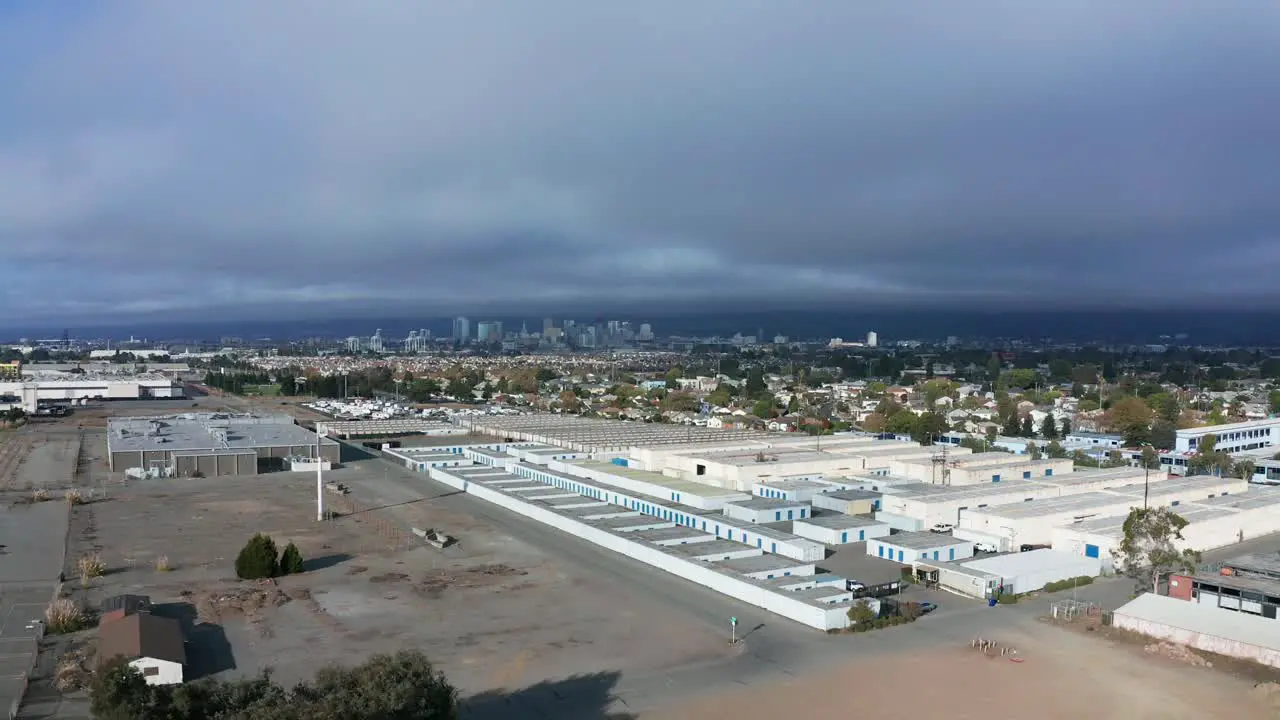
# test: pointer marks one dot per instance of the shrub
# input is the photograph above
(258, 559)
(290, 560)
(1008, 599)
(912, 610)
(74, 497)
(162, 564)
(1068, 584)
(91, 566)
(40, 495)
(64, 615)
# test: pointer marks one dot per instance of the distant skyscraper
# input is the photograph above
(461, 329)
(646, 333)
(872, 339)
(548, 324)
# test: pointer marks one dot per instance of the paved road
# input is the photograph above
(773, 646)
(32, 539)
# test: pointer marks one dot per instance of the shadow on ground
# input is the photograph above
(582, 697)
(354, 453)
(324, 561)
(208, 650)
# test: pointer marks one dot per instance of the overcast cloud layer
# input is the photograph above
(176, 157)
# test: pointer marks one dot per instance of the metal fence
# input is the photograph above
(392, 535)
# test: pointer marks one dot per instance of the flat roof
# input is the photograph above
(794, 484)
(1089, 503)
(927, 492)
(684, 487)
(854, 494)
(1228, 427)
(1256, 562)
(837, 521)
(207, 431)
(759, 563)
(1239, 582)
(1014, 564)
(638, 520)
(922, 540)
(715, 547)
(776, 534)
(496, 454)
(679, 532)
(759, 503)
(1203, 619)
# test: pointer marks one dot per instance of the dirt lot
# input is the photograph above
(1062, 675)
(493, 613)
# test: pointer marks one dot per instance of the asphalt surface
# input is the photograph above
(33, 538)
(771, 646)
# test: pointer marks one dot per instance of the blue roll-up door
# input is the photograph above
(1091, 551)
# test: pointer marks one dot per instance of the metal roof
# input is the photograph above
(1203, 620)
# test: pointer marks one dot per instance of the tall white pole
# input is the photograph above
(319, 479)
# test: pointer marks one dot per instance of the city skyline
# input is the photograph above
(990, 156)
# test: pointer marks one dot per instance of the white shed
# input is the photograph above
(839, 529)
(910, 547)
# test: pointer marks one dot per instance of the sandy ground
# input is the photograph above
(1062, 675)
(493, 613)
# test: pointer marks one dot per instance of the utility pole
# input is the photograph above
(319, 478)
(1146, 483)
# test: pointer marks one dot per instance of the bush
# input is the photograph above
(290, 560)
(1008, 599)
(404, 685)
(74, 497)
(64, 615)
(40, 495)
(1067, 584)
(162, 564)
(258, 559)
(91, 566)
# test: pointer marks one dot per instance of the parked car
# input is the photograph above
(942, 528)
(854, 586)
(985, 547)
(927, 607)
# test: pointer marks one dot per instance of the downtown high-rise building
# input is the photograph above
(461, 329)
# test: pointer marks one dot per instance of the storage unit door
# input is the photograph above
(1091, 551)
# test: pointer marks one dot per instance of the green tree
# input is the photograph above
(935, 390)
(258, 559)
(720, 397)
(902, 422)
(1048, 428)
(1065, 430)
(1245, 469)
(1028, 428)
(861, 614)
(765, 407)
(1012, 428)
(1059, 371)
(927, 427)
(755, 384)
(672, 377)
(994, 365)
(1149, 548)
(291, 560)
(1055, 450)
(119, 692)
(1021, 378)
(1033, 452)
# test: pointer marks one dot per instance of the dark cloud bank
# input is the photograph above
(243, 159)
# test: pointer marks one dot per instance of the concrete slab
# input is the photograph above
(32, 546)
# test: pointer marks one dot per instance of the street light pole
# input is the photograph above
(1146, 481)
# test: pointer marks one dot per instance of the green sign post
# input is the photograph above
(733, 631)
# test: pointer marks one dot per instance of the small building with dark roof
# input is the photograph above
(153, 644)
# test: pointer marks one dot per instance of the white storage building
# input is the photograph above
(1211, 523)
(766, 567)
(848, 502)
(764, 510)
(839, 529)
(798, 490)
(1033, 522)
(979, 468)
(713, 551)
(651, 484)
(1030, 571)
(910, 547)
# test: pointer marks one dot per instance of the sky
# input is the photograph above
(249, 159)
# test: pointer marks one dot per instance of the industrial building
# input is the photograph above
(848, 502)
(1246, 584)
(1212, 522)
(839, 529)
(978, 468)
(1033, 522)
(1015, 573)
(742, 570)
(1231, 437)
(919, 506)
(651, 484)
(1201, 627)
(910, 547)
(91, 386)
(211, 444)
(797, 489)
(764, 510)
